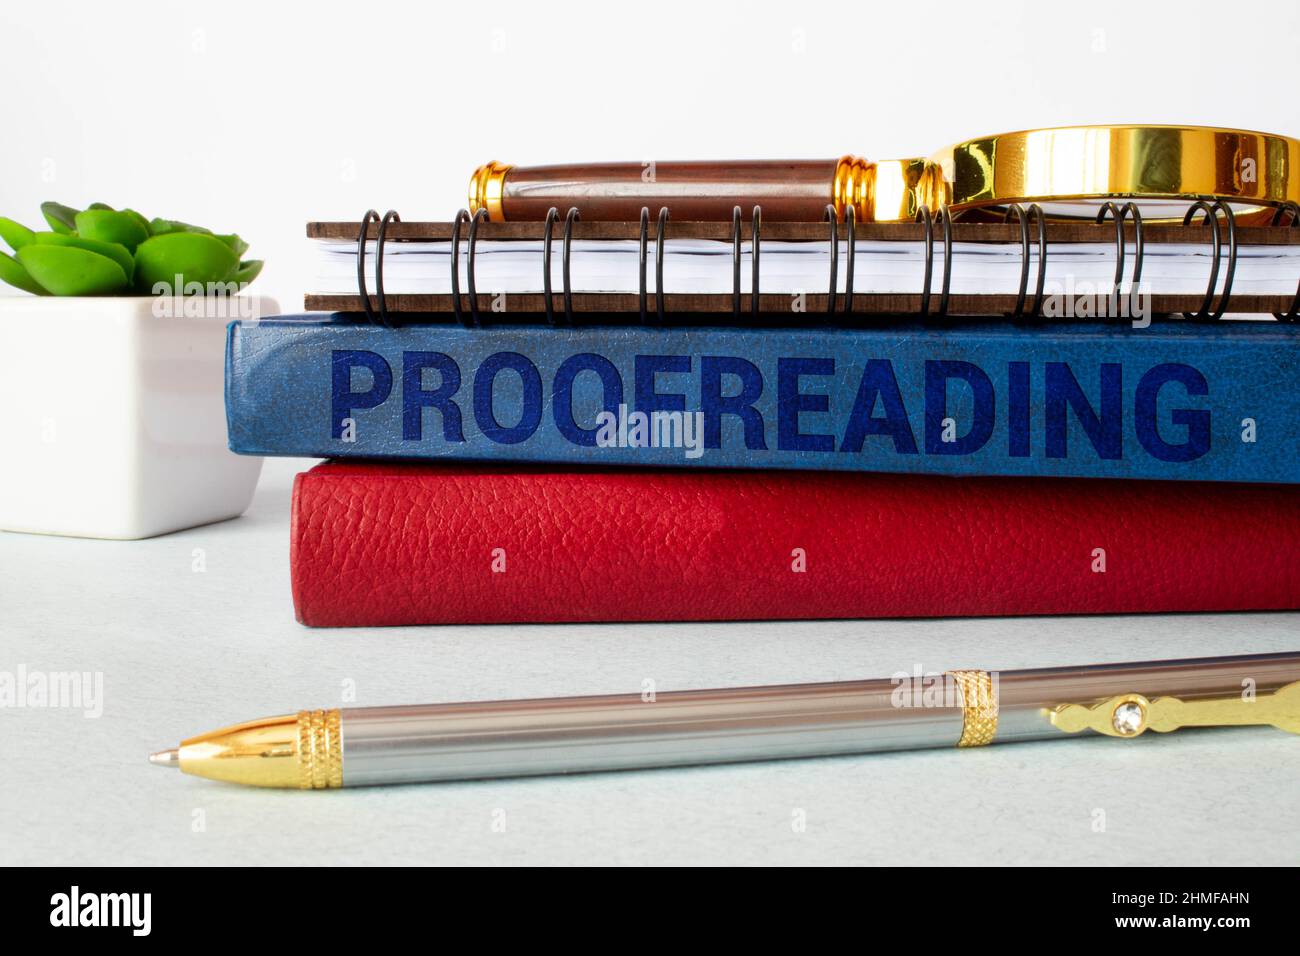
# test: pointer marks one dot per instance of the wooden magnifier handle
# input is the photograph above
(787, 190)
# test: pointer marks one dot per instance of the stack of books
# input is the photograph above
(716, 421)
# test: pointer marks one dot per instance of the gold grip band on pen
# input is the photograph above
(320, 750)
(979, 708)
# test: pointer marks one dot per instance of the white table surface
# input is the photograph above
(184, 651)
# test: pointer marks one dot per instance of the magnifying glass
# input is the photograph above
(1071, 171)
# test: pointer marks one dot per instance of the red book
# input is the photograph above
(379, 544)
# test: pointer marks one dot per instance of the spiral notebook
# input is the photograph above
(645, 271)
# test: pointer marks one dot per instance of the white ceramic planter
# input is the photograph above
(112, 415)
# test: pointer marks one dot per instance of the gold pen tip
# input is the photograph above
(166, 758)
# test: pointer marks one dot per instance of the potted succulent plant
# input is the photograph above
(111, 374)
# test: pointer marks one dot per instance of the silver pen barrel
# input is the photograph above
(383, 745)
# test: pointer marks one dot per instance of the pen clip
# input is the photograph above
(1131, 715)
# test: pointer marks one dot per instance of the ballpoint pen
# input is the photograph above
(322, 749)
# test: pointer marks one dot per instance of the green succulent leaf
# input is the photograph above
(15, 234)
(237, 246)
(195, 257)
(15, 273)
(104, 251)
(60, 217)
(67, 270)
(142, 222)
(248, 271)
(114, 250)
(164, 227)
(107, 225)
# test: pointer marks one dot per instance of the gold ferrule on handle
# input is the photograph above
(979, 707)
(896, 187)
(882, 190)
(485, 189)
(851, 186)
(303, 750)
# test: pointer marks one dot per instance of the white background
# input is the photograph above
(257, 117)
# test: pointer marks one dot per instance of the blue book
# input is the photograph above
(1217, 401)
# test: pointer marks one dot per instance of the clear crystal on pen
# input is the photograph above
(1127, 718)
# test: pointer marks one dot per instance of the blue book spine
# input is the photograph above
(1218, 402)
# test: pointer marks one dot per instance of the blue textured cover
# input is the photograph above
(1174, 401)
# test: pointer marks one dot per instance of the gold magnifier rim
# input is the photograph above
(1254, 170)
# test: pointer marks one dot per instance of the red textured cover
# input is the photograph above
(377, 544)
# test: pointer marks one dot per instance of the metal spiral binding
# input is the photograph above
(923, 215)
(833, 218)
(569, 220)
(462, 216)
(1107, 208)
(735, 263)
(1212, 220)
(1023, 217)
(1036, 210)
(851, 220)
(1120, 212)
(366, 220)
(551, 215)
(660, 231)
(1015, 209)
(1293, 314)
(645, 231)
(1231, 220)
(565, 257)
(944, 217)
(1218, 215)
(390, 216)
(479, 216)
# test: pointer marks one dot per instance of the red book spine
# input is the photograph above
(378, 544)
